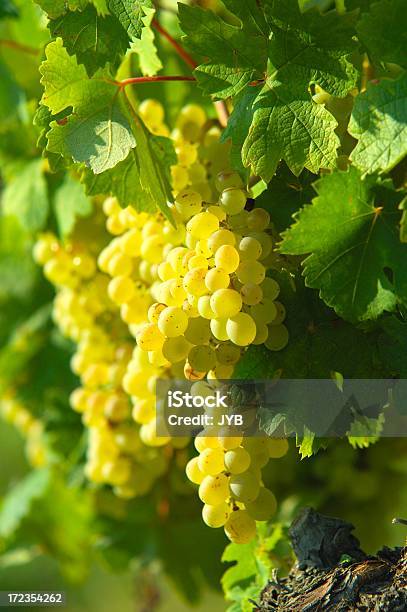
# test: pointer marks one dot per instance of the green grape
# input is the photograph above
(277, 447)
(258, 219)
(237, 460)
(216, 278)
(229, 442)
(226, 303)
(176, 349)
(215, 516)
(218, 328)
(197, 261)
(220, 238)
(249, 248)
(211, 461)
(263, 507)
(240, 528)
(154, 311)
(277, 338)
(203, 225)
(251, 272)
(149, 337)
(193, 472)
(251, 294)
(227, 258)
(262, 332)
(270, 288)
(227, 353)
(202, 358)
(244, 487)
(172, 322)
(264, 313)
(151, 111)
(265, 241)
(121, 289)
(205, 308)
(198, 331)
(233, 200)
(188, 203)
(226, 180)
(280, 314)
(194, 282)
(241, 329)
(214, 490)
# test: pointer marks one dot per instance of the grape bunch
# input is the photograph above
(14, 412)
(145, 296)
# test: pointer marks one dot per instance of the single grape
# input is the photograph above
(233, 200)
(227, 258)
(226, 303)
(263, 507)
(244, 487)
(172, 322)
(237, 460)
(215, 516)
(241, 329)
(214, 490)
(217, 278)
(277, 447)
(277, 338)
(240, 527)
(202, 358)
(211, 461)
(193, 471)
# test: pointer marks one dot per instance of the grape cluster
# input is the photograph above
(228, 472)
(150, 297)
(15, 413)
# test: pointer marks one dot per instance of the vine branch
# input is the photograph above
(153, 79)
(178, 48)
(13, 44)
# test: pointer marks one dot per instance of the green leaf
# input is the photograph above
(311, 48)
(123, 182)
(238, 127)
(290, 127)
(235, 59)
(26, 196)
(357, 261)
(379, 123)
(12, 96)
(97, 132)
(94, 40)
(383, 30)
(146, 50)
(403, 221)
(131, 14)
(365, 431)
(70, 202)
(56, 8)
(8, 9)
(17, 505)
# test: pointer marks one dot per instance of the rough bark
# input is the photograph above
(333, 574)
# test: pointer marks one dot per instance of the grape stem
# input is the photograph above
(220, 106)
(12, 44)
(152, 79)
(178, 48)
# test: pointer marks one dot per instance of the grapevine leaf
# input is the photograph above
(97, 132)
(290, 127)
(146, 50)
(70, 202)
(238, 126)
(311, 47)
(56, 8)
(403, 222)
(131, 14)
(379, 123)
(235, 58)
(93, 39)
(26, 196)
(123, 182)
(383, 31)
(133, 181)
(8, 9)
(357, 261)
(18, 503)
(365, 431)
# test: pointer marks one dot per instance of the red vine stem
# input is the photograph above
(152, 79)
(178, 48)
(12, 44)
